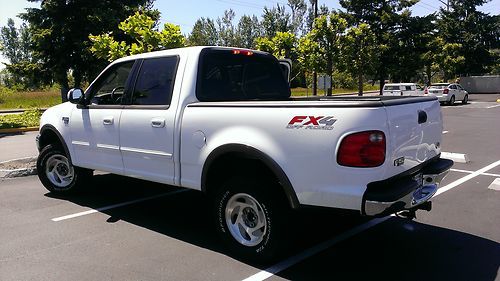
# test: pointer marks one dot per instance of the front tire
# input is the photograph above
(466, 99)
(57, 173)
(251, 218)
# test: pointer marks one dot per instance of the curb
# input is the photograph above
(20, 110)
(18, 130)
(29, 170)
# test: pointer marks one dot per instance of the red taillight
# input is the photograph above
(445, 91)
(364, 149)
(426, 91)
(242, 52)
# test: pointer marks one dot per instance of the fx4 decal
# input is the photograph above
(312, 122)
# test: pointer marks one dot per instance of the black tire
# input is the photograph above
(57, 173)
(273, 207)
(452, 100)
(466, 99)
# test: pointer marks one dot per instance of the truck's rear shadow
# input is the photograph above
(395, 250)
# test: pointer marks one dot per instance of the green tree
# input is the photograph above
(359, 51)
(384, 18)
(320, 48)
(469, 35)
(275, 20)
(226, 30)
(204, 33)
(248, 30)
(146, 38)
(60, 30)
(22, 69)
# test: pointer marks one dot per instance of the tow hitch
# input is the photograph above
(412, 213)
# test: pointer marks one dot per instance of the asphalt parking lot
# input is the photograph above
(125, 229)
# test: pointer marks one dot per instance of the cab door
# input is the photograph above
(95, 139)
(147, 124)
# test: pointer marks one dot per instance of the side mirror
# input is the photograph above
(75, 95)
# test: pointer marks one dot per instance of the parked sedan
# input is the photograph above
(449, 93)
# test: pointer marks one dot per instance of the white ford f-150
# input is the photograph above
(222, 121)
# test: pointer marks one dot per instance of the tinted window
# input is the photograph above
(155, 81)
(453, 87)
(408, 88)
(225, 76)
(110, 87)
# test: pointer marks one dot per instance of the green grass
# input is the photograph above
(297, 92)
(29, 118)
(39, 99)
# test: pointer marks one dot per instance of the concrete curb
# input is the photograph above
(18, 130)
(20, 110)
(29, 170)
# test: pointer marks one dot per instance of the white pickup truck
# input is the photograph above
(222, 121)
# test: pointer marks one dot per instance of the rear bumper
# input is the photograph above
(404, 192)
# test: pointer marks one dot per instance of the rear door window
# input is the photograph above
(155, 81)
(239, 75)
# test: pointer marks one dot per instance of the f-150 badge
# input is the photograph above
(312, 122)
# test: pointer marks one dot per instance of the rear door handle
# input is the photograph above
(108, 120)
(158, 122)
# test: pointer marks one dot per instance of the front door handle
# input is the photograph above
(108, 120)
(158, 122)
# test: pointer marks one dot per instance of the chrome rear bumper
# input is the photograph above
(405, 192)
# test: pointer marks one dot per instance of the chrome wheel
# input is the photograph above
(58, 170)
(246, 219)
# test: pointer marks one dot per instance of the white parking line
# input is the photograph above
(493, 106)
(283, 265)
(445, 132)
(456, 157)
(470, 172)
(92, 211)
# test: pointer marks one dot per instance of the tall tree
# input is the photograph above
(226, 30)
(248, 30)
(22, 69)
(469, 33)
(299, 10)
(358, 49)
(204, 33)
(146, 38)
(60, 30)
(274, 20)
(320, 49)
(384, 17)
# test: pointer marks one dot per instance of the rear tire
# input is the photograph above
(57, 173)
(466, 99)
(251, 218)
(452, 100)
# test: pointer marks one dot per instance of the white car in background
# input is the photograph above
(403, 89)
(449, 93)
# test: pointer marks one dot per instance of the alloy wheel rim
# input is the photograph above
(246, 219)
(59, 172)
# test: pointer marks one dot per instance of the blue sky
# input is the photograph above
(185, 12)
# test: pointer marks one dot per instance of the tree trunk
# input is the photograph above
(360, 83)
(329, 72)
(382, 82)
(62, 79)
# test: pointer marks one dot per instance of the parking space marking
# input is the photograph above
(493, 106)
(470, 172)
(445, 132)
(285, 264)
(456, 157)
(92, 211)
(495, 185)
(275, 269)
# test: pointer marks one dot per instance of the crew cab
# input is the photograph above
(222, 121)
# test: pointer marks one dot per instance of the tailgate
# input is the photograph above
(415, 131)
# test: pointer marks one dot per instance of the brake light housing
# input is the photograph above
(242, 52)
(446, 91)
(362, 150)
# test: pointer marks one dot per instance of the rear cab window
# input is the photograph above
(239, 75)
